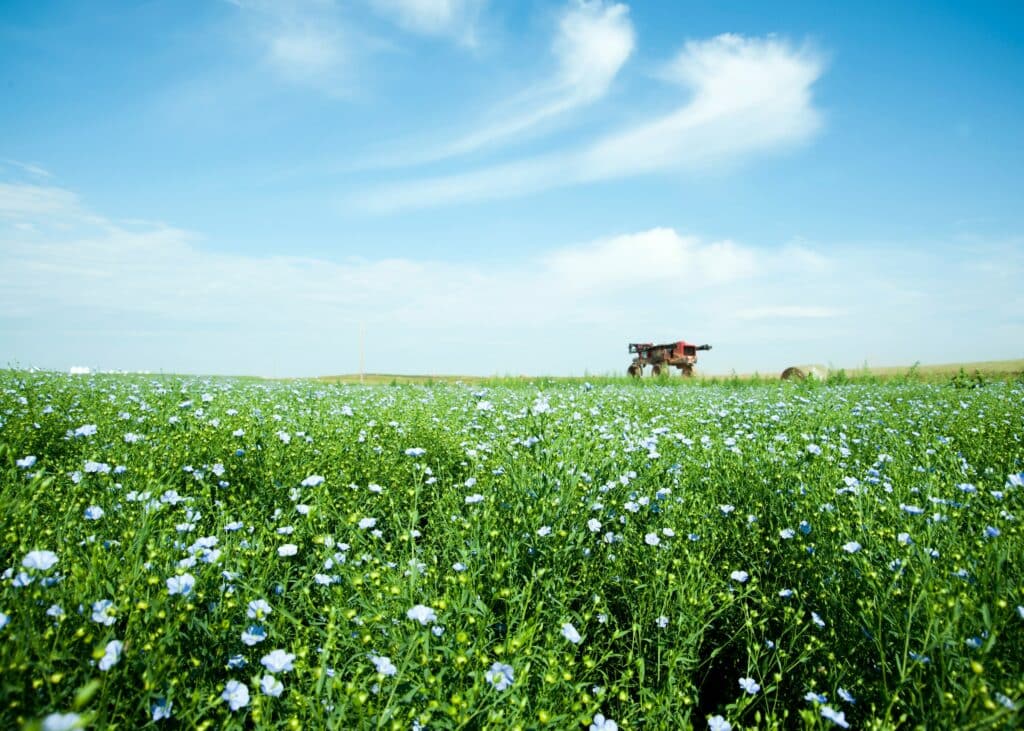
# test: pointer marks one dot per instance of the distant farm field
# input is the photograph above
(919, 372)
(212, 553)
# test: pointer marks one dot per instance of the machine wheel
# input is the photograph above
(687, 371)
(635, 371)
(656, 370)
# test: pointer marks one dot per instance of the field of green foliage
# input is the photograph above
(203, 553)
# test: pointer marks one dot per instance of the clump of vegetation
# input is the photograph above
(218, 553)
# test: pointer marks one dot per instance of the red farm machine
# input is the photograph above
(682, 355)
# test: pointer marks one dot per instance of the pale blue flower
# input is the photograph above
(253, 635)
(258, 609)
(93, 512)
(422, 614)
(749, 685)
(39, 560)
(62, 722)
(278, 661)
(26, 462)
(717, 723)
(836, 717)
(500, 676)
(235, 694)
(740, 576)
(161, 709)
(312, 481)
(415, 452)
(111, 655)
(271, 686)
(102, 612)
(383, 665)
(603, 724)
(181, 584)
(651, 539)
(846, 695)
(851, 547)
(288, 549)
(569, 632)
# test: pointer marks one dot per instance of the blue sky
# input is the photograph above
(485, 188)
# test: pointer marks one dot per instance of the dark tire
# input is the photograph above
(656, 370)
(635, 371)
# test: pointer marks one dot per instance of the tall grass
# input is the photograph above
(748, 554)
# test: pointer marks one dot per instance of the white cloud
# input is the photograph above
(455, 18)
(747, 96)
(118, 294)
(19, 201)
(657, 256)
(307, 42)
(788, 312)
(593, 42)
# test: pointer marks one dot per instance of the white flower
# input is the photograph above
(500, 676)
(603, 724)
(181, 584)
(904, 539)
(749, 685)
(662, 621)
(569, 632)
(422, 614)
(383, 664)
(258, 609)
(474, 499)
(93, 512)
(845, 695)
(367, 523)
(86, 430)
(235, 694)
(851, 547)
(458, 566)
(740, 576)
(415, 452)
(786, 534)
(111, 655)
(544, 530)
(594, 524)
(651, 539)
(817, 620)
(813, 449)
(312, 481)
(278, 661)
(484, 406)
(726, 509)
(26, 462)
(288, 549)
(269, 685)
(39, 560)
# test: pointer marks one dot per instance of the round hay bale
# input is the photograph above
(793, 374)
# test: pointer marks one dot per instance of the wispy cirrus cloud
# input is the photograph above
(307, 42)
(454, 18)
(746, 96)
(592, 42)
